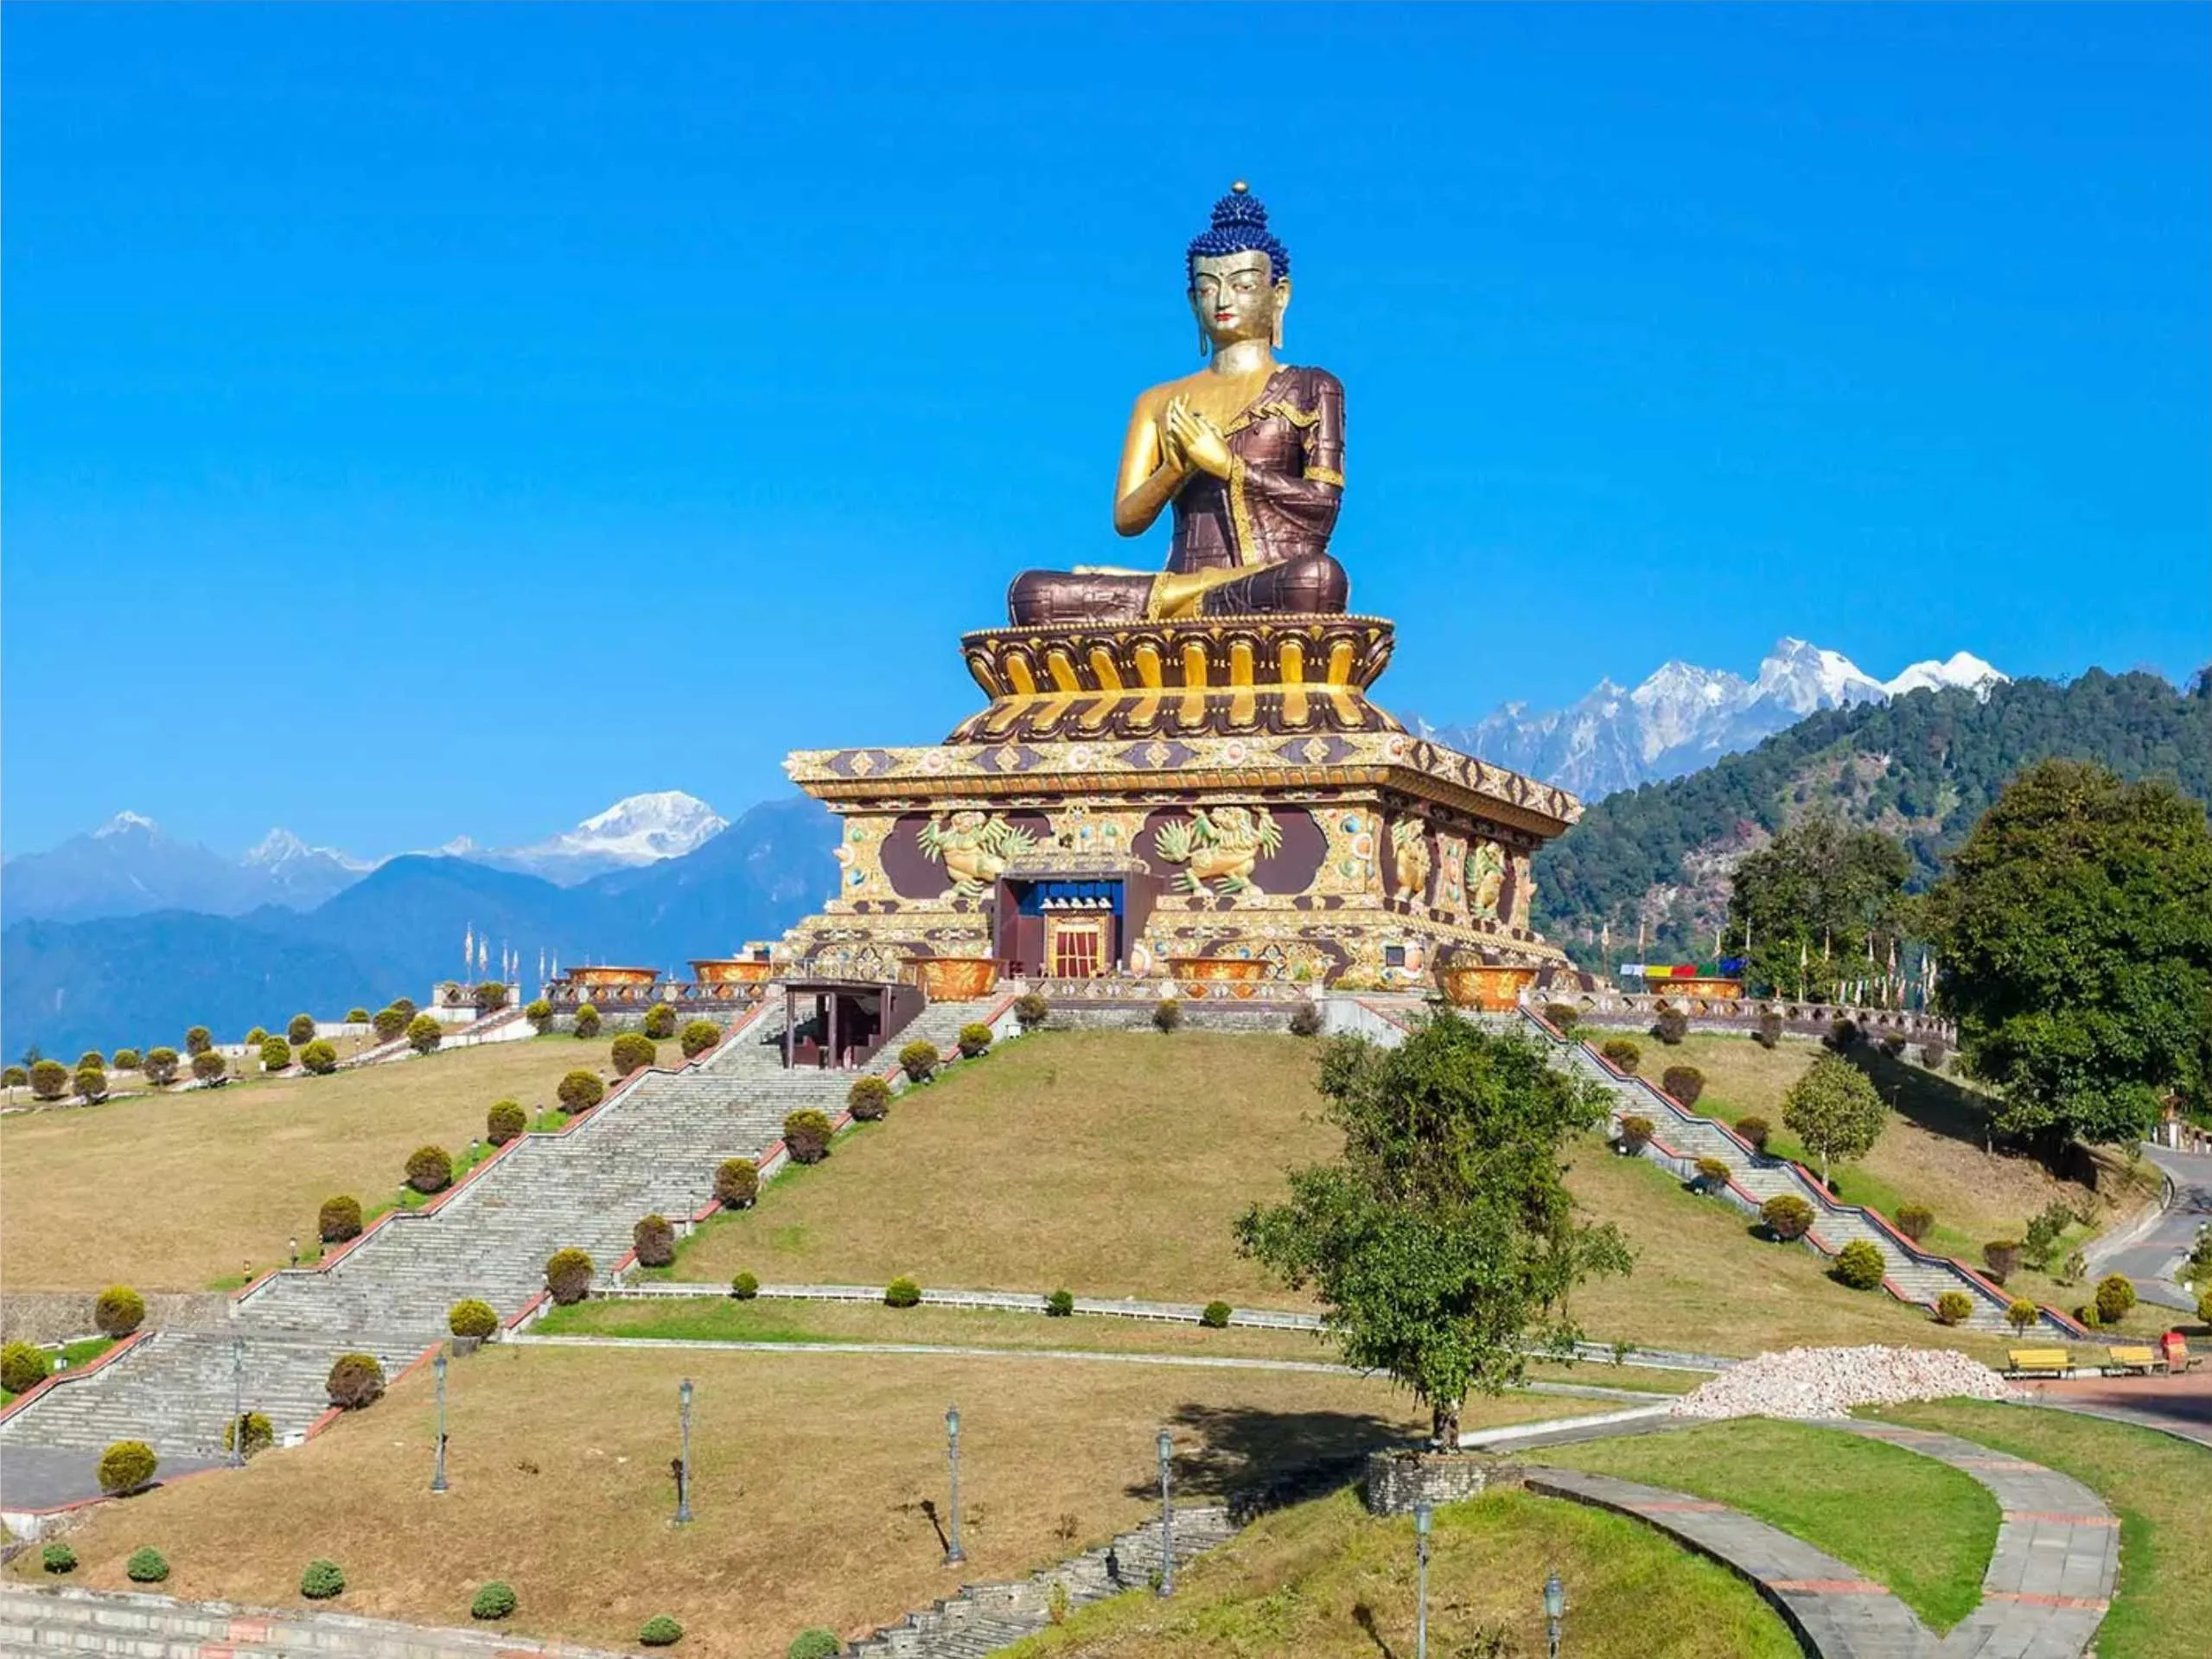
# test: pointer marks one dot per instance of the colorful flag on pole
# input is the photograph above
(467, 945)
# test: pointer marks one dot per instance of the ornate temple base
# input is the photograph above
(1137, 800)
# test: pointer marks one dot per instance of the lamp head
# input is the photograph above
(953, 1421)
(1421, 1514)
(1167, 1445)
(1555, 1596)
(438, 1366)
(684, 1391)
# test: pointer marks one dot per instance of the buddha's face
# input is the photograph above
(1233, 298)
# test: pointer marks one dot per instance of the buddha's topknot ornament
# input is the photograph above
(1240, 225)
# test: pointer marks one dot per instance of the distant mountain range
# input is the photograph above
(129, 866)
(1684, 716)
(66, 985)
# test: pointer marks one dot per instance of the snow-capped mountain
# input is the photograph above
(130, 865)
(1684, 716)
(636, 830)
(300, 876)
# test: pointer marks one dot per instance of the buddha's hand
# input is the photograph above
(1200, 440)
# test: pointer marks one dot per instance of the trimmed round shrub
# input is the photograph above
(918, 1059)
(1713, 1174)
(2001, 1256)
(357, 1016)
(737, 1183)
(1953, 1308)
(199, 1040)
(14, 1076)
(2115, 1298)
(301, 1029)
(659, 1631)
(260, 1433)
(126, 1466)
(1755, 1131)
(580, 1091)
(1769, 1033)
(49, 1080)
(322, 1580)
(388, 1023)
(659, 1021)
(406, 1007)
(697, 1037)
(1635, 1132)
(470, 1318)
(540, 1013)
(568, 1276)
(902, 1292)
(338, 1220)
(814, 1644)
(90, 1084)
(587, 1020)
(1916, 1221)
(147, 1565)
(321, 1058)
(1684, 1083)
(632, 1050)
(1060, 1305)
(211, 1068)
(806, 1136)
(1671, 1027)
(490, 996)
(1214, 1316)
(869, 1099)
(58, 1558)
(2088, 1318)
(425, 1034)
(974, 1039)
(1167, 1015)
(429, 1168)
(744, 1286)
(505, 1120)
(160, 1067)
(1787, 1217)
(2204, 1306)
(1860, 1266)
(1841, 1035)
(1306, 1019)
(355, 1380)
(24, 1366)
(120, 1311)
(93, 1058)
(1893, 1046)
(1032, 1010)
(654, 1241)
(1625, 1055)
(1933, 1054)
(2023, 1315)
(127, 1060)
(1562, 1016)
(492, 1600)
(256, 1036)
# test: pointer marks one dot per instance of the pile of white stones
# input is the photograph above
(1829, 1381)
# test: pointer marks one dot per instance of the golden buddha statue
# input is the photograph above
(1248, 452)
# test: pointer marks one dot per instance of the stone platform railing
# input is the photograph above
(1803, 1018)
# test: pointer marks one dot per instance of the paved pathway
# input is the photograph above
(49, 1477)
(2150, 1257)
(2180, 1404)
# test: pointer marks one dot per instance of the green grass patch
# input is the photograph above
(2161, 1489)
(1327, 1580)
(1922, 1528)
(74, 1357)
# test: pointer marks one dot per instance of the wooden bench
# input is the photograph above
(2039, 1361)
(2132, 1361)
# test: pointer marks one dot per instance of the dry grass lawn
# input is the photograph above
(817, 1476)
(173, 1191)
(1109, 1164)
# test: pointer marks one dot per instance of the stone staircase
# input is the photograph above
(1682, 1138)
(985, 1618)
(651, 1148)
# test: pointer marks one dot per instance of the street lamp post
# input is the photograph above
(953, 1553)
(1421, 1580)
(238, 1402)
(1167, 1518)
(683, 1462)
(437, 1473)
(1555, 1608)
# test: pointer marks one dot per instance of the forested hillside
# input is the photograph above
(1922, 767)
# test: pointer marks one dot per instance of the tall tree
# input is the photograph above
(2074, 942)
(1442, 1241)
(1812, 899)
(1834, 1111)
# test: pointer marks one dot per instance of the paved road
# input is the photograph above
(47, 1477)
(2150, 1258)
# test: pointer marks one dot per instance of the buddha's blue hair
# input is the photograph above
(1240, 227)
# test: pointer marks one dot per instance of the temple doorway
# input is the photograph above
(1077, 947)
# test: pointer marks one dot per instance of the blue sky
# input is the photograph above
(429, 420)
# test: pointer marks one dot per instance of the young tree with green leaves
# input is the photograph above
(2073, 933)
(1834, 1111)
(1442, 1241)
(1816, 895)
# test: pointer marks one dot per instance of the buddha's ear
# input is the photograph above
(1282, 304)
